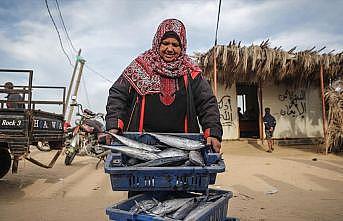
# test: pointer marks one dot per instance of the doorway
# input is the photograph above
(248, 110)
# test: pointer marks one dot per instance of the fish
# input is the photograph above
(133, 152)
(179, 142)
(213, 198)
(143, 206)
(163, 161)
(132, 161)
(187, 163)
(169, 206)
(135, 144)
(183, 211)
(197, 210)
(196, 158)
(172, 152)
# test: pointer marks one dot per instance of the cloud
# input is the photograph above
(307, 38)
(112, 33)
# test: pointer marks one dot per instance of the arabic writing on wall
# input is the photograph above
(294, 103)
(225, 110)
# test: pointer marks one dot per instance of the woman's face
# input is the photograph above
(170, 49)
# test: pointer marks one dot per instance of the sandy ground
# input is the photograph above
(289, 184)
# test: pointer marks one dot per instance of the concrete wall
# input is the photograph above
(227, 103)
(298, 112)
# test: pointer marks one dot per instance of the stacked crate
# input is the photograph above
(159, 182)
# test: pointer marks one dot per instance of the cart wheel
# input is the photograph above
(69, 158)
(5, 162)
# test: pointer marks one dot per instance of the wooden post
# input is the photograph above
(261, 111)
(323, 107)
(72, 82)
(215, 71)
(82, 62)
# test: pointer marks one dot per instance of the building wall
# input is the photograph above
(227, 103)
(298, 112)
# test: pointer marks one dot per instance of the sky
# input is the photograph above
(111, 33)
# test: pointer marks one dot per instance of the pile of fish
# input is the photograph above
(176, 208)
(174, 151)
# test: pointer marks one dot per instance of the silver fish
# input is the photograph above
(169, 206)
(162, 161)
(196, 158)
(172, 152)
(132, 161)
(213, 198)
(179, 142)
(183, 211)
(144, 206)
(197, 211)
(187, 163)
(135, 144)
(133, 152)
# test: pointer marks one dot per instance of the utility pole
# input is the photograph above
(214, 53)
(72, 82)
(323, 108)
(82, 63)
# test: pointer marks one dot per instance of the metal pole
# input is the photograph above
(64, 100)
(82, 62)
(323, 107)
(72, 81)
(30, 90)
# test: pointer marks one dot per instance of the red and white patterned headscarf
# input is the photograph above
(148, 70)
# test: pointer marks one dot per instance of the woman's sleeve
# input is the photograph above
(207, 108)
(118, 104)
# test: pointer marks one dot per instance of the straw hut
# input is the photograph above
(258, 76)
(334, 99)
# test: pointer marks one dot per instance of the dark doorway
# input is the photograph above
(248, 110)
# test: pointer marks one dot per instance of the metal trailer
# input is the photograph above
(22, 127)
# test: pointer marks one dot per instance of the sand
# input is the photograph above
(288, 184)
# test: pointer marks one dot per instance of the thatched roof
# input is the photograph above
(334, 137)
(262, 63)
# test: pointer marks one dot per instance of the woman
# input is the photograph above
(162, 90)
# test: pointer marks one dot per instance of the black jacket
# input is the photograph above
(269, 121)
(124, 107)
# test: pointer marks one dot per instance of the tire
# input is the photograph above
(75, 147)
(69, 158)
(5, 162)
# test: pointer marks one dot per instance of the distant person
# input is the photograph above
(269, 127)
(12, 97)
(240, 115)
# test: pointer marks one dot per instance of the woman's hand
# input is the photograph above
(113, 131)
(215, 143)
(107, 138)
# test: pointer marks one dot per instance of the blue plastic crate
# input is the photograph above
(191, 178)
(217, 211)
